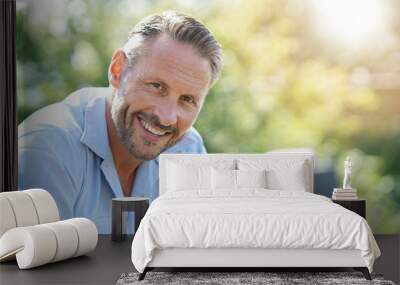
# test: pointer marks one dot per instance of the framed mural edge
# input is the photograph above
(8, 98)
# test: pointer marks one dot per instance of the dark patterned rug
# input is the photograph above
(230, 278)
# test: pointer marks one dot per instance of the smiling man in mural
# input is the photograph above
(101, 143)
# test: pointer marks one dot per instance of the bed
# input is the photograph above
(247, 210)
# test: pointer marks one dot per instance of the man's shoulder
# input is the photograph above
(83, 96)
(192, 136)
(191, 142)
(58, 126)
(66, 116)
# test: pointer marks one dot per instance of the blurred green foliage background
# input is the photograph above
(289, 80)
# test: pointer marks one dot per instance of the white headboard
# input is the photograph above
(307, 157)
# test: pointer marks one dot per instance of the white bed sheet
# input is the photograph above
(252, 218)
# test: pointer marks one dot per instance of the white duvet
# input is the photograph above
(250, 218)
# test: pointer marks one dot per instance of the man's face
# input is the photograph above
(159, 98)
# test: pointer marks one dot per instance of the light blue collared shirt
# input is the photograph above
(63, 148)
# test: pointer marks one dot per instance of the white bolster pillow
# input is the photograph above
(40, 244)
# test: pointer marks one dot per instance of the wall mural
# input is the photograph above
(297, 74)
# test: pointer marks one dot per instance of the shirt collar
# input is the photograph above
(95, 134)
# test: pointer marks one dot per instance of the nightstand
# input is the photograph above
(358, 206)
(120, 207)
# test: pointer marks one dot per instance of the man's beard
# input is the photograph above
(123, 123)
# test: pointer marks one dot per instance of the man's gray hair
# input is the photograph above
(180, 27)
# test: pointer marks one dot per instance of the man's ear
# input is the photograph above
(116, 68)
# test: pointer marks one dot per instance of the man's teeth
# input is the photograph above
(152, 130)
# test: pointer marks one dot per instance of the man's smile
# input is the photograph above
(153, 132)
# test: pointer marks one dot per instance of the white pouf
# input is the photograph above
(30, 230)
(37, 245)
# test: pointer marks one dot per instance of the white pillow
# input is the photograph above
(251, 178)
(223, 179)
(291, 179)
(181, 177)
(282, 174)
(226, 179)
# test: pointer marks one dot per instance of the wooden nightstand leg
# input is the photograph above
(116, 226)
(119, 221)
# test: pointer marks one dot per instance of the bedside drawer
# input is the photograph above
(357, 206)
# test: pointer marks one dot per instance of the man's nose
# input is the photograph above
(167, 112)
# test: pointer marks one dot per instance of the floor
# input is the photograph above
(110, 259)
(389, 262)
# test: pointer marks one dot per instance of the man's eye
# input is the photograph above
(155, 85)
(189, 99)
